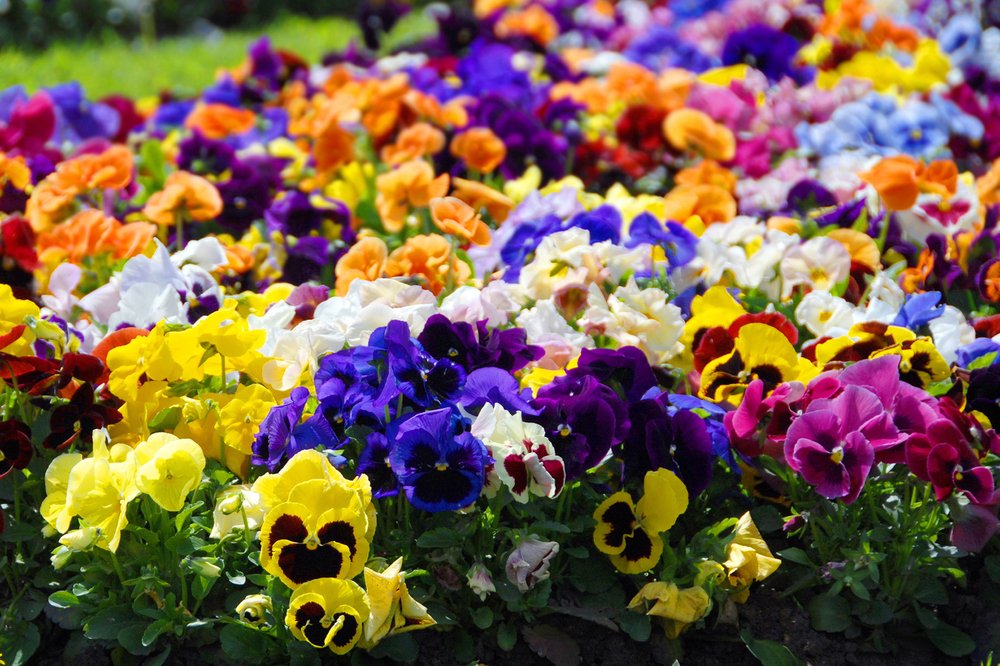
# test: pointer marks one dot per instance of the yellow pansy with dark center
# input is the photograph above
(328, 613)
(863, 341)
(306, 540)
(920, 363)
(760, 352)
(630, 533)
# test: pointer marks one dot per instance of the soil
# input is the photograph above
(767, 615)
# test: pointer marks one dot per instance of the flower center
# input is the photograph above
(565, 430)
(837, 455)
(312, 542)
(441, 467)
(905, 365)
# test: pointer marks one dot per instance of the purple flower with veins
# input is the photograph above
(832, 444)
(281, 436)
(583, 418)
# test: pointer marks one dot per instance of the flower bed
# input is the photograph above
(575, 313)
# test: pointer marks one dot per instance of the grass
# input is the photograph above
(182, 64)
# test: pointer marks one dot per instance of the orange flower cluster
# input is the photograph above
(53, 199)
(91, 233)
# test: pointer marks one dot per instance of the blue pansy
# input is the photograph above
(679, 244)
(439, 464)
(281, 435)
(978, 350)
(919, 310)
(604, 223)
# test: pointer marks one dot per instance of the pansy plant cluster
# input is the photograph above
(607, 310)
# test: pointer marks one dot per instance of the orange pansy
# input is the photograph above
(364, 261)
(690, 129)
(184, 194)
(454, 216)
(480, 149)
(217, 121)
(481, 196)
(428, 257)
(410, 184)
(416, 141)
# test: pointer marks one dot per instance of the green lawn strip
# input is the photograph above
(181, 64)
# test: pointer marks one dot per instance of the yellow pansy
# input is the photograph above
(328, 613)
(13, 312)
(99, 489)
(393, 610)
(320, 532)
(630, 533)
(353, 185)
(748, 558)
(760, 352)
(723, 76)
(519, 188)
(53, 508)
(242, 415)
(674, 608)
(169, 468)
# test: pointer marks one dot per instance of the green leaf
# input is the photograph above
(243, 643)
(201, 586)
(636, 625)
(829, 613)
(154, 630)
(876, 613)
(482, 617)
(165, 419)
(441, 537)
(159, 659)
(19, 643)
(769, 653)
(63, 599)
(506, 636)
(992, 563)
(130, 637)
(402, 647)
(952, 641)
(931, 591)
(106, 623)
(796, 555)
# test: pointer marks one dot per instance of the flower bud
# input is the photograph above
(203, 566)
(529, 563)
(480, 581)
(254, 609)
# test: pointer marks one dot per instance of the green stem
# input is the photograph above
(180, 230)
(118, 569)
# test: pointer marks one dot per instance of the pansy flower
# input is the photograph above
(328, 613)
(525, 460)
(281, 435)
(393, 610)
(440, 466)
(320, 532)
(920, 364)
(583, 418)
(944, 457)
(629, 532)
(15, 446)
(832, 444)
(659, 440)
(760, 352)
(414, 373)
(79, 418)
